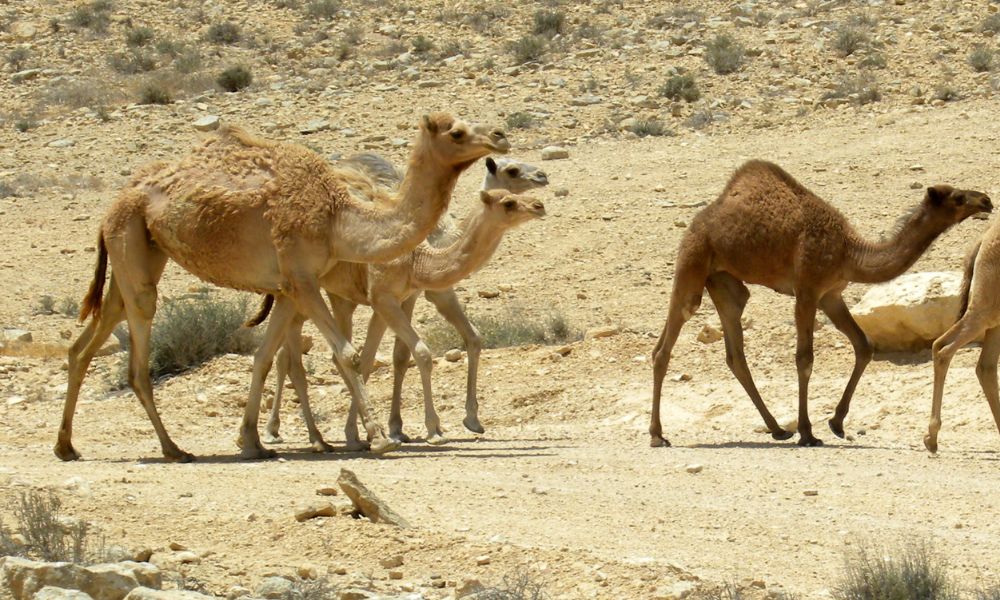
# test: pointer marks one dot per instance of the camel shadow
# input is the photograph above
(913, 358)
(742, 445)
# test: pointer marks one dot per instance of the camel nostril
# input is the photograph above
(538, 206)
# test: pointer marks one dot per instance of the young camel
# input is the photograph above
(979, 315)
(250, 214)
(767, 229)
(502, 174)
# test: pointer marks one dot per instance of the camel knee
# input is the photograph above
(804, 360)
(985, 369)
(660, 359)
(422, 354)
(145, 302)
(865, 351)
(474, 345)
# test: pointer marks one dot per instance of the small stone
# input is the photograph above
(275, 588)
(709, 335)
(176, 547)
(25, 75)
(585, 100)
(916, 167)
(483, 560)
(61, 143)
(810, 492)
(368, 503)
(554, 153)
(561, 192)
(207, 123)
(491, 293)
(187, 558)
(327, 491)
(355, 594)
(314, 126)
(307, 572)
(316, 510)
(468, 587)
(392, 562)
(395, 575)
(681, 377)
(680, 223)
(916, 185)
(338, 570)
(694, 468)
(453, 355)
(601, 332)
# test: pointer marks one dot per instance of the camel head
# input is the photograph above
(453, 142)
(509, 209)
(956, 205)
(513, 175)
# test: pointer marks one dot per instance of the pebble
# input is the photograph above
(392, 562)
(314, 126)
(601, 332)
(694, 468)
(483, 560)
(709, 335)
(207, 123)
(491, 293)
(916, 185)
(316, 510)
(61, 143)
(554, 153)
(810, 492)
(327, 491)
(453, 355)
(561, 192)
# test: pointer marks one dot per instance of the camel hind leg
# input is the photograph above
(446, 302)
(834, 307)
(730, 297)
(986, 370)
(80, 354)
(961, 333)
(689, 284)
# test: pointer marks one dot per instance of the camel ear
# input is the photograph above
(937, 194)
(429, 125)
(486, 197)
(491, 165)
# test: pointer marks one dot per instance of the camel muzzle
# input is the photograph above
(499, 142)
(985, 209)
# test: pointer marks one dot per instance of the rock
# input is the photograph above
(810, 492)
(16, 335)
(601, 332)
(54, 593)
(307, 572)
(115, 580)
(61, 143)
(207, 123)
(468, 587)
(176, 546)
(25, 75)
(314, 126)
(916, 185)
(561, 192)
(397, 575)
(111, 581)
(355, 594)
(327, 491)
(678, 591)
(392, 562)
(554, 153)
(709, 335)
(910, 312)
(694, 469)
(453, 355)
(483, 560)
(491, 293)
(368, 503)
(275, 588)
(144, 593)
(24, 30)
(585, 100)
(315, 510)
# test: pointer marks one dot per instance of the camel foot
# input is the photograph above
(436, 439)
(177, 455)
(273, 438)
(930, 442)
(782, 434)
(259, 453)
(658, 441)
(837, 427)
(473, 425)
(400, 437)
(321, 446)
(384, 445)
(808, 441)
(66, 452)
(357, 446)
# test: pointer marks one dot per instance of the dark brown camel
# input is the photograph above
(767, 229)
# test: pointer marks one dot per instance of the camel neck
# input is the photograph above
(378, 234)
(875, 262)
(440, 268)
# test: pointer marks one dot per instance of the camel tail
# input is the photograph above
(970, 266)
(92, 301)
(265, 309)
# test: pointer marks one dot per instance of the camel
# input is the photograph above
(268, 217)
(765, 228)
(979, 315)
(502, 174)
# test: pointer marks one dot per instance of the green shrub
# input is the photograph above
(520, 120)
(946, 91)
(982, 58)
(510, 328)
(859, 89)
(41, 525)
(907, 573)
(549, 22)
(94, 16)
(850, 39)
(991, 24)
(649, 127)
(724, 54)
(138, 36)
(528, 48)
(235, 78)
(188, 62)
(323, 9)
(155, 92)
(421, 45)
(681, 87)
(223, 33)
(133, 62)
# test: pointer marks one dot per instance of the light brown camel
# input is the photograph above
(501, 174)
(250, 214)
(979, 315)
(392, 290)
(767, 229)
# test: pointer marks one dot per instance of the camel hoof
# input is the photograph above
(782, 434)
(357, 446)
(658, 441)
(66, 452)
(931, 444)
(383, 446)
(837, 428)
(473, 425)
(178, 456)
(401, 437)
(809, 441)
(273, 438)
(321, 446)
(257, 454)
(436, 439)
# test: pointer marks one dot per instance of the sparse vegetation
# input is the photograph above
(190, 331)
(649, 127)
(138, 37)
(17, 57)
(44, 305)
(69, 307)
(485, 18)
(188, 62)
(94, 16)
(421, 45)
(906, 573)
(982, 58)
(509, 328)
(47, 535)
(528, 48)
(132, 62)
(520, 120)
(25, 123)
(76, 93)
(724, 54)
(991, 24)
(223, 33)
(520, 586)
(873, 60)
(323, 9)
(700, 119)
(235, 78)
(946, 92)
(850, 38)
(155, 91)
(992, 593)
(549, 23)
(681, 87)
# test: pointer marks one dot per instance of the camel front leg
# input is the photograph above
(272, 430)
(293, 346)
(834, 307)
(805, 324)
(310, 302)
(448, 305)
(961, 333)
(986, 370)
(80, 354)
(397, 317)
(730, 297)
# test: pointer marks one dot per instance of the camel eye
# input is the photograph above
(509, 204)
(514, 172)
(457, 135)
